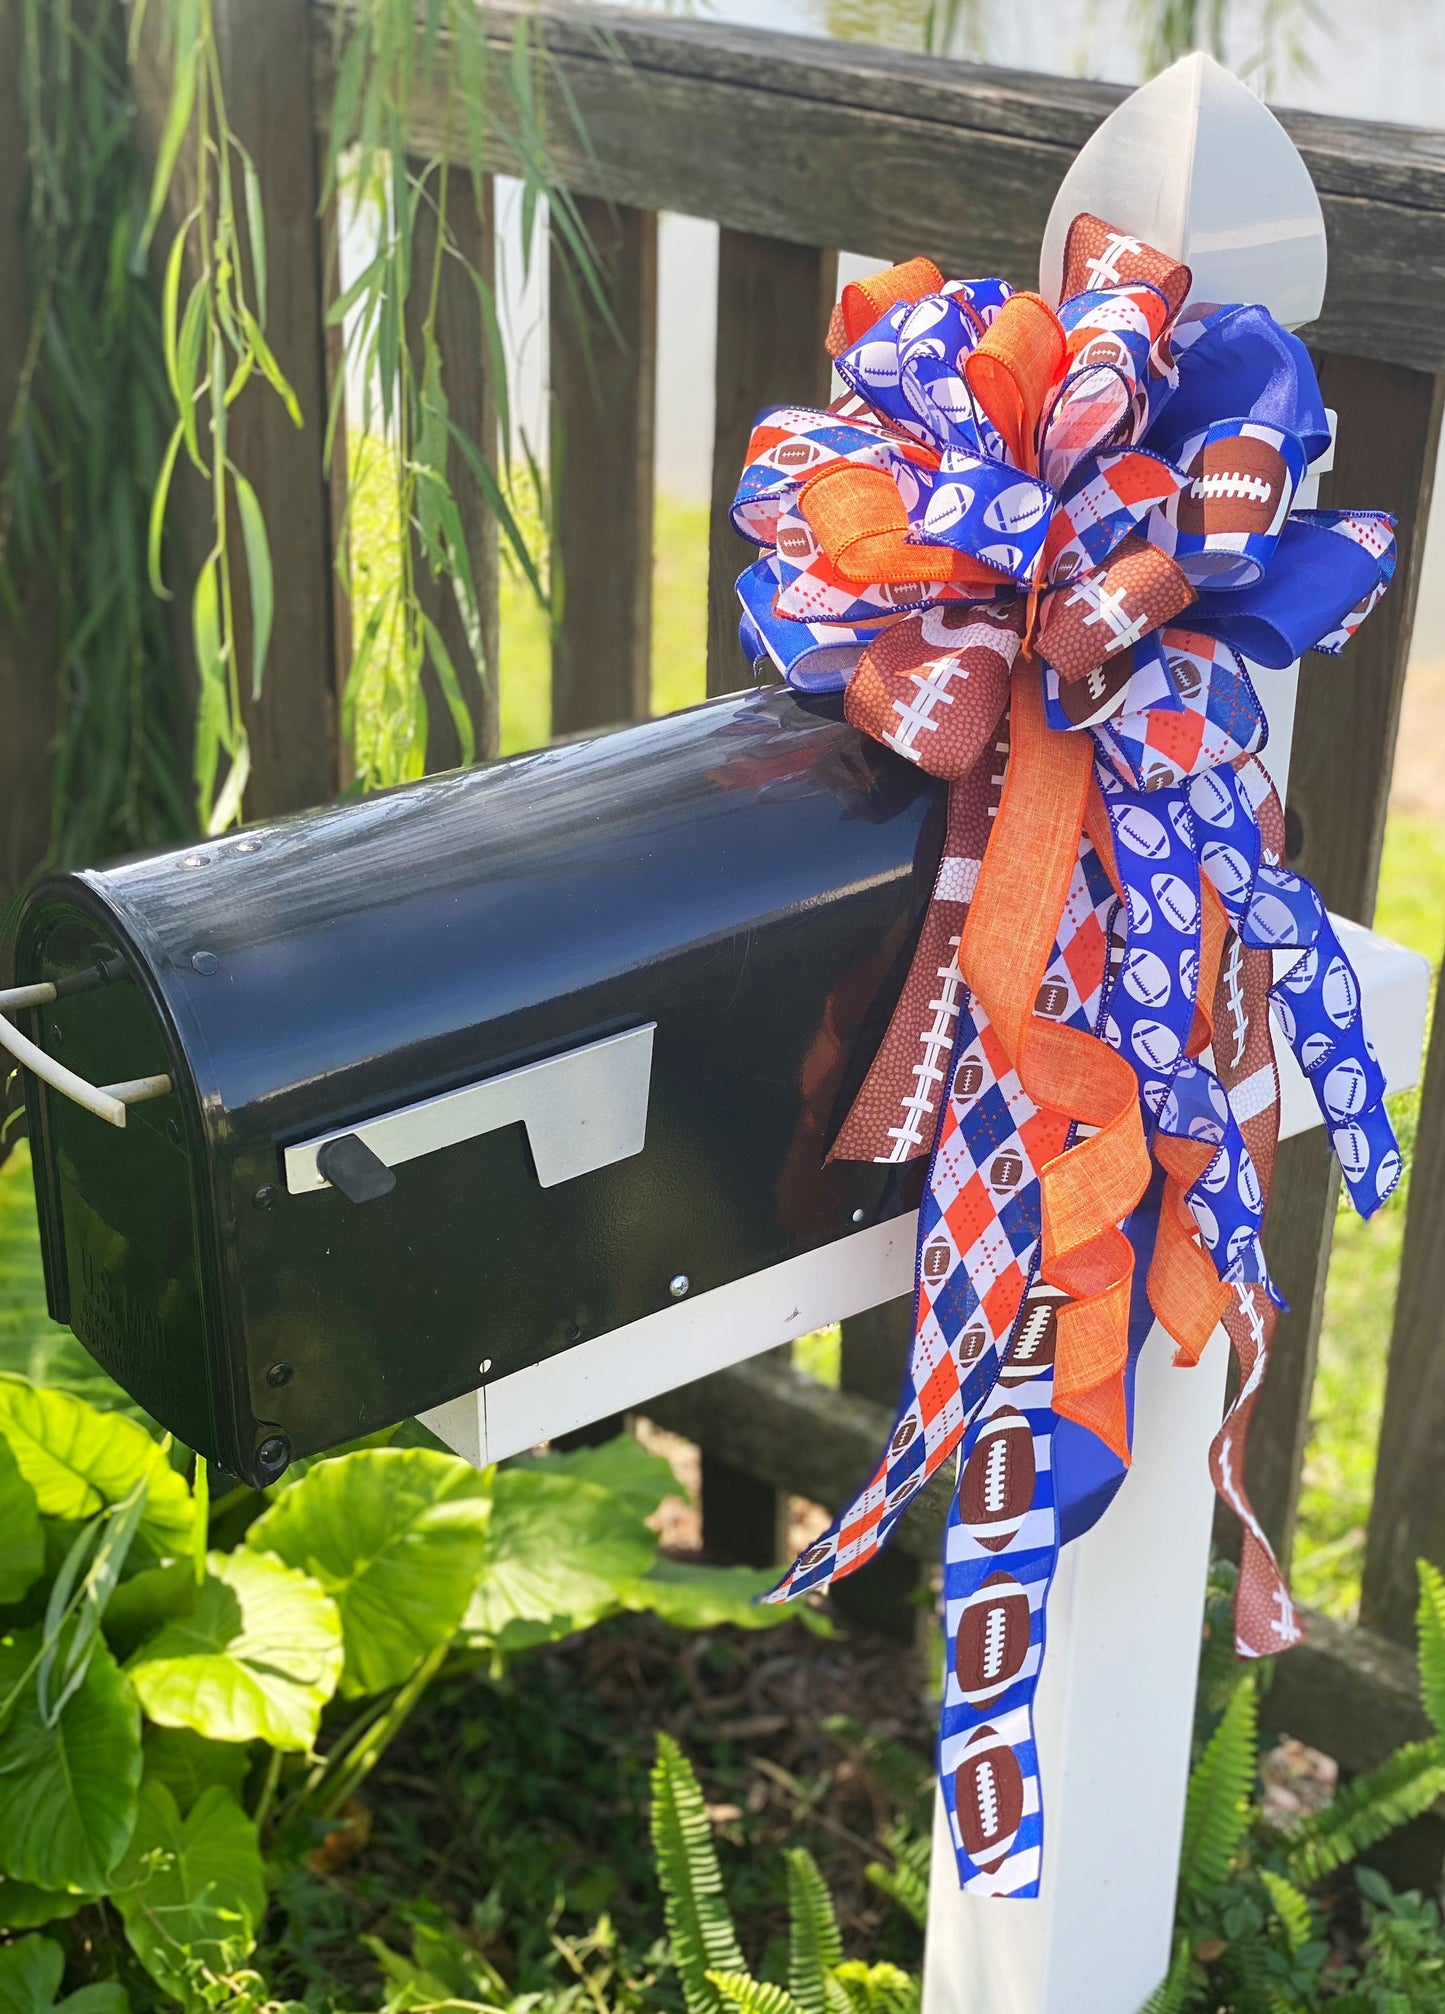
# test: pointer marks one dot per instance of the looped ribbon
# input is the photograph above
(1037, 550)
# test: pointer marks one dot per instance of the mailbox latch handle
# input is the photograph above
(349, 1165)
(583, 1110)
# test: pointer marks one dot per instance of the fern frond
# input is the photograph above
(1216, 1813)
(907, 1881)
(1404, 1785)
(856, 1988)
(815, 1943)
(752, 1996)
(1168, 1995)
(1430, 1622)
(699, 1926)
(1292, 1908)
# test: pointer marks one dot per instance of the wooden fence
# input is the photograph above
(798, 148)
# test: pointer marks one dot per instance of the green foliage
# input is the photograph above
(1368, 1809)
(815, 1944)
(700, 1928)
(703, 1939)
(1216, 1813)
(80, 1461)
(396, 1537)
(191, 1891)
(255, 1700)
(67, 1787)
(30, 1974)
(22, 1545)
(1248, 1935)
(1430, 1623)
(86, 436)
(906, 1881)
(255, 1657)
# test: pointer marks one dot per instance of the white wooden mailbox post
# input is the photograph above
(1195, 165)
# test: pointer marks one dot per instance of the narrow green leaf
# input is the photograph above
(258, 573)
(173, 133)
(255, 226)
(451, 685)
(159, 499)
(1216, 1813)
(270, 369)
(815, 1943)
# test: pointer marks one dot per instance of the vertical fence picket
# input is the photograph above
(471, 401)
(1344, 745)
(265, 48)
(603, 398)
(1407, 1515)
(769, 350)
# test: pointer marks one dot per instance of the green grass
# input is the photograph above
(679, 631)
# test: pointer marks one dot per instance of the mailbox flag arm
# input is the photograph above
(106, 1101)
(583, 1110)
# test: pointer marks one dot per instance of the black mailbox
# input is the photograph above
(469, 1071)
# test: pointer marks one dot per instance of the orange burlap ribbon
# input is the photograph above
(1008, 940)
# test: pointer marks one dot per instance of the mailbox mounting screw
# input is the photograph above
(678, 1285)
(485, 1365)
(205, 962)
(194, 860)
(274, 1454)
(265, 1196)
(279, 1374)
(859, 1215)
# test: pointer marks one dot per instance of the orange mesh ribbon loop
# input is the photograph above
(865, 302)
(859, 518)
(1016, 365)
(1007, 942)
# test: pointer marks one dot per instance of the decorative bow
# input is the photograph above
(1034, 549)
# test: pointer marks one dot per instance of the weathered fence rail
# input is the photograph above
(799, 149)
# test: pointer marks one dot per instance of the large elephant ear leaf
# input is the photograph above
(397, 1537)
(30, 1974)
(191, 1891)
(23, 1906)
(562, 1554)
(79, 1461)
(67, 1791)
(22, 1547)
(255, 1659)
(622, 1465)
